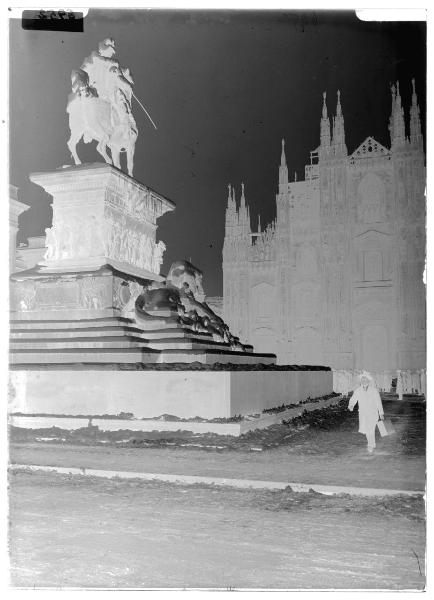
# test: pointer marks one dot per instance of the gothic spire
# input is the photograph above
(229, 195)
(244, 213)
(392, 112)
(282, 156)
(325, 124)
(338, 106)
(400, 123)
(283, 171)
(243, 198)
(231, 210)
(338, 141)
(397, 123)
(415, 127)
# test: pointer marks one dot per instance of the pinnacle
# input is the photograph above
(324, 106)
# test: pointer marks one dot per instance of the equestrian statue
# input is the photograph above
(99, 107)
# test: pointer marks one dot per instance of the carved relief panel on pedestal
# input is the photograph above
(95, 292)
(132, 242)
(74, 236)
(100, 214)
(87, 292)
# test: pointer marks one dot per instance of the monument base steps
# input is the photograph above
(76, 357)
(210, 357)
(116, 339)
(90, 333)
(110, 341)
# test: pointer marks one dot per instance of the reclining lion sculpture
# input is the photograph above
(187, 307)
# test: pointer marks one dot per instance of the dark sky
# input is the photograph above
(224, 88)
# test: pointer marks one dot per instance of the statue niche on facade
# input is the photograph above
(99, 107)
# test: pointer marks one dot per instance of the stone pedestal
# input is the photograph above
(149, 394)
(102, 216)
(100, 251)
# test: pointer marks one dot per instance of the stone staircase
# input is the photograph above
(110, 339)
(116, 339)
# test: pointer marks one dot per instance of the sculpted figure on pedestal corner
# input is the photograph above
(51, 244)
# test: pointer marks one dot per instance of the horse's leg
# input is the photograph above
(116, 156)
(72, 145)
(130, 158)
(101, 147)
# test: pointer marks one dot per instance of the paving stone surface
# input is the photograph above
(323, 448)
(72, 531)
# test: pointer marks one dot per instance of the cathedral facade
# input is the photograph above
(337, 278)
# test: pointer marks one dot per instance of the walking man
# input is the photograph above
(370, 408)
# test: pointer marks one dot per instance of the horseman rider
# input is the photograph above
(106, 79)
